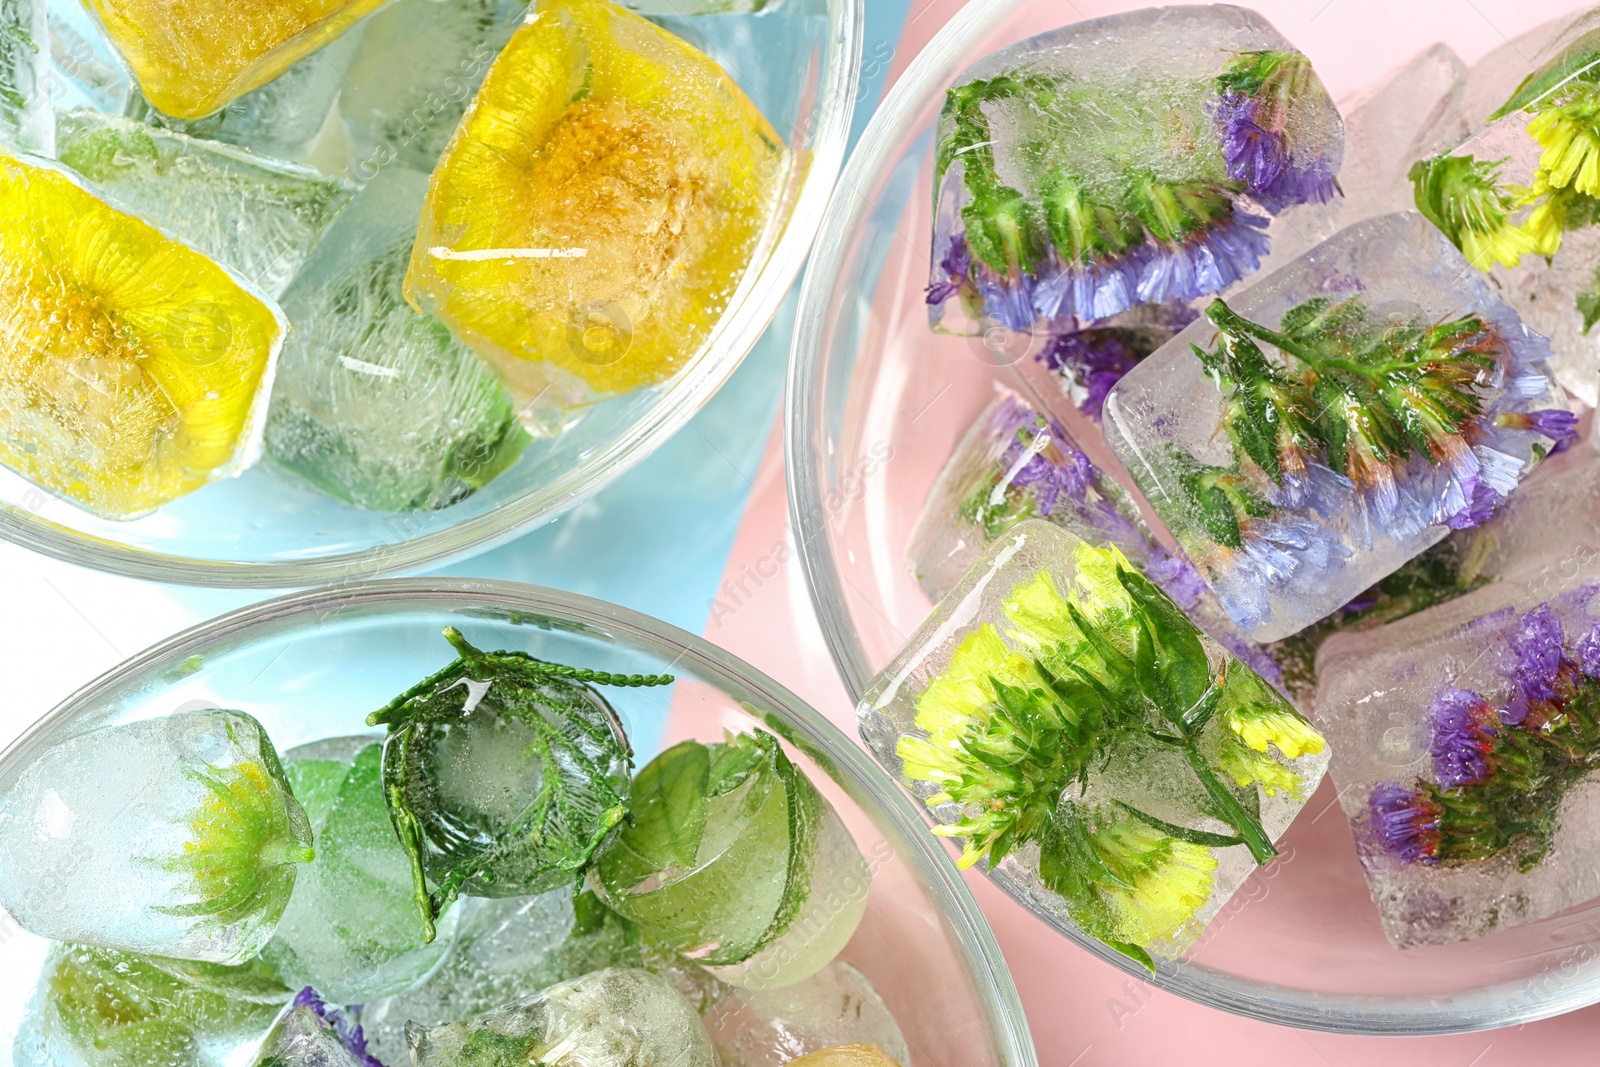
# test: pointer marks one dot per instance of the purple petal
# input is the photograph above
(1463, 730)
(1404, 822)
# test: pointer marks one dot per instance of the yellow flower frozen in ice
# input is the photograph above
(1570, 138)
(1260, 724)
(596, 208)
(1247, 767)
(132, 369)
(194, 57)
(1166, 881)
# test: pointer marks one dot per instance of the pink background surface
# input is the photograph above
(1083, 1012)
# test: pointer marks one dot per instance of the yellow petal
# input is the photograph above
(130, 366)
(193, 57)
(597, 207)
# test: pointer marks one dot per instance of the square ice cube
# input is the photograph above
(1120, 161)
(1330, 422)
(1115, 767)
(1466, 743)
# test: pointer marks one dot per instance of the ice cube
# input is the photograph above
(1401, 399)
(1465, 744)
(611, 1018)
(85, 68)
(374, 403)
(847, 1056)
(1412, 113)
(1558, 504)
(1048, 203)
(26, 122)
(1012, 464)
(512, 948)
(1515, 195)
(593, 253)
(288, 118)
(418, 66)
(351, 927)
(734, 859)
(1146, 772)
(504, 774)
(174, 836)
(261, 217)
(314, 1034)
(98, 1008)
(138, 367)
(192, 59)
(772, 1027)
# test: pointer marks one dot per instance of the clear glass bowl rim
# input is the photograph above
(806, 459)
(731, 341)
(601, 620)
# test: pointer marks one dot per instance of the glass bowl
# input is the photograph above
(313, 665)
(876, 402)
(800, 63)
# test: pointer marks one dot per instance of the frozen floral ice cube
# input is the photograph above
(1123, 160)
(374, 403)
(1014, 464)
(774, 1027)
(314, 1034)
(261, 217)
(1066, 722)
(1517, 196)
(733, 859)
(351, 926)
(26, 123)
(100, 1008)
(175, 836)
(1401, 399)
(1466, 745)
(136, 369)
(504, 774)
(596, 209)
(191, 59)
(611, 1018)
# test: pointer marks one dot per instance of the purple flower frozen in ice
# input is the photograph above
(338, 1023)
(1271, 555)
(1405, 823)
(1464, 728)
(955, 265)
(1254, 155)
(1253, 115)
(1478, 510)
(1039, 456)
(1561, 427)
(1536, 649)
(1094, 359)
(1176, 577)
(1588, 652)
